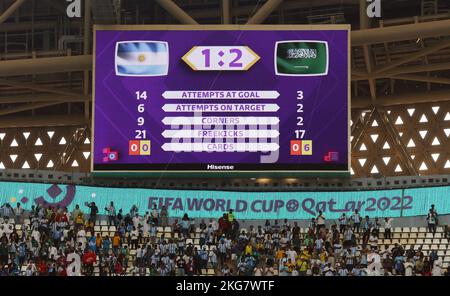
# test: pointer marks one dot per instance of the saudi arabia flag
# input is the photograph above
(301, 58)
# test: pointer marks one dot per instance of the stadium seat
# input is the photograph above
(444, 241)
(211, 271)
(406, 230)
(441, 253)
(413, 235)
(414, 229)
(429, 235)
(168, 229)
(422, 229)
(397, 235)
(97, 228)
(103, 223)
(428, 241)
(421, 235)
(112, 228)
(160, 229)
(447, 259)
(403, 242)
(397, 229)
(426, 248)
(434, 247)
(436, 241)
(437, 235)
(442, 247)
(104, 229)
(411, 241)
(439, 229)
(244, 230)
(419, 241)
(404, 235)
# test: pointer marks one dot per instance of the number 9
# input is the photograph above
(140, 121)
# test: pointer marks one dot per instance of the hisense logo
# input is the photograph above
(74, 8)
(374, 8)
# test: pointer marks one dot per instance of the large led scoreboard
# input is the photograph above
(247, 99)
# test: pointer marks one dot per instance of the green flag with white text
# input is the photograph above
(302, 58)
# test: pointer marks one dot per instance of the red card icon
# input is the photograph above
(133, 147)
(296, 147)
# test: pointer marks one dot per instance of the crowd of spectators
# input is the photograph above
(53, 241)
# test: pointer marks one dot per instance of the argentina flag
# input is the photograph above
(142, 58)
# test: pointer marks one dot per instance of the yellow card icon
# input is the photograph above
(306, 147)
(144, 147)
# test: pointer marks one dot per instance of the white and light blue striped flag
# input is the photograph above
(142, 58)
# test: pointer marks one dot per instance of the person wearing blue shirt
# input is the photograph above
(106, 243)
(399, 267)
(92, 244)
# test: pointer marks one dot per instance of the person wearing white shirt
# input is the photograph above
(292, 254)
(213, 224)
(437, 268)
(81, 237)
(258, 271)
(409, 267)
(36, 235)
(374, 267)
(136, 220)
(328, 270)
(387, 228)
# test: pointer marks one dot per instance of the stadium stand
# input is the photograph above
(49, 241)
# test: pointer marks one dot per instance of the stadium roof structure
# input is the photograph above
(400, 75)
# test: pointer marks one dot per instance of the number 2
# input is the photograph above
(238, 57)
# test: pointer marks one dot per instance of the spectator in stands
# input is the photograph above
(111, 210)
(154, 214)
(447, 232)
(320, 221)
(431, 219)
(437, 268)
(230, 216)
(93, 212)
(164, 216)
(119, 217)
(356, 218)
(185, 226)
(387, 228)
(7, 210)
(367, 224)
(434, 211)
(342, 223)
(18, 213)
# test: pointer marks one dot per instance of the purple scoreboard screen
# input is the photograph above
(221, 98)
